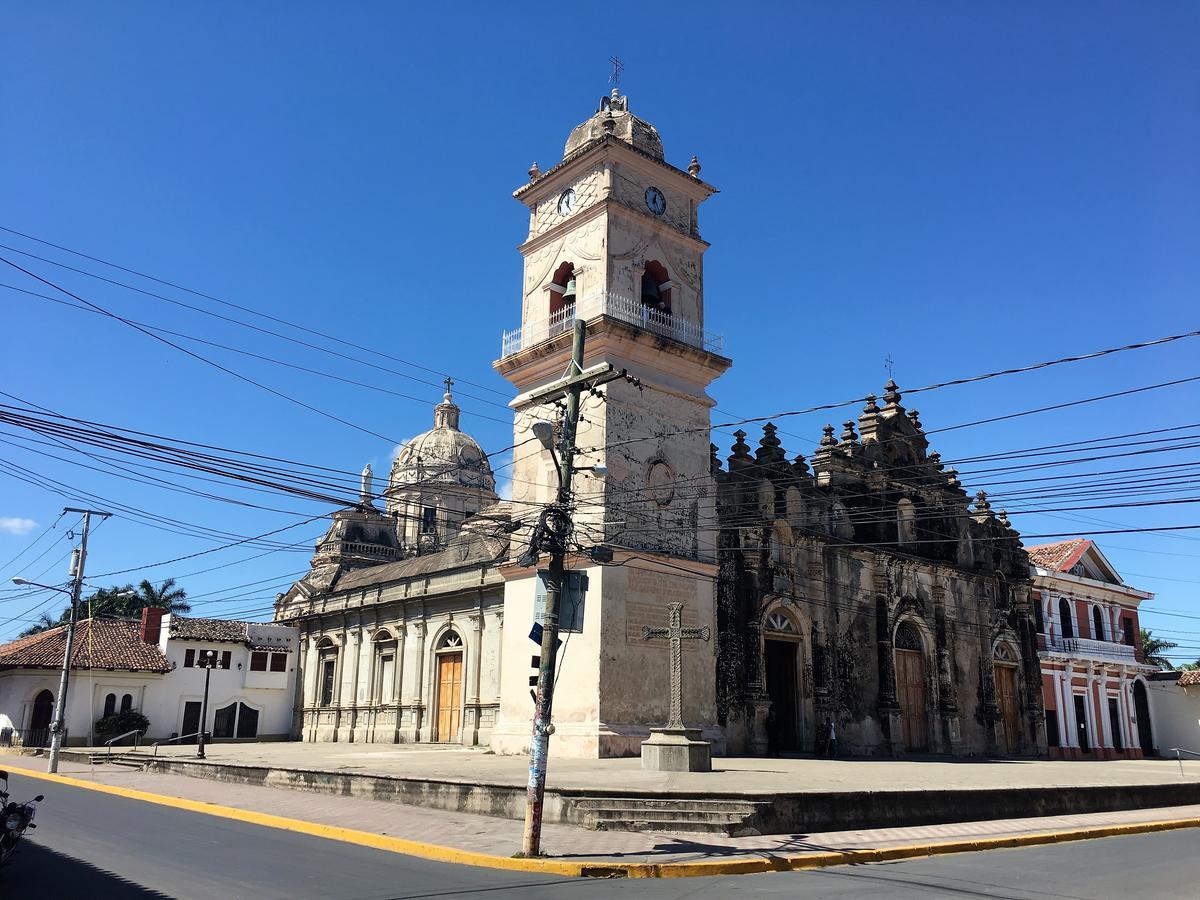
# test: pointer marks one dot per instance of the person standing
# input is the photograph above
(830, 738)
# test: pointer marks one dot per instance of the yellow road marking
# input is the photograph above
(748, 865)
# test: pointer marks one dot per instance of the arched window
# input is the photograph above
(110, 704)
(907, 638)
(906, 522)
(1098, 624)
(385, 667)
(562, 291)
(451, 640)
(656, 287)
(326, 672)
(126, 703)
(780, 623)
(1064, 616)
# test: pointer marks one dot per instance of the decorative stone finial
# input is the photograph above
(981, 502)
(891, 394)
(1003, 517)
(534, 172)
(800, 465)
(769, 447)
(827, 438)
(914, 417)
(694, 167)
(848, 435)
(952, 477)
(871, 408)
(936, 459)
(714, 461)
(365, 492)
(616, 93)
(609, 124)
(741, 450)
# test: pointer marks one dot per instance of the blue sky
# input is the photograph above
(962, 189)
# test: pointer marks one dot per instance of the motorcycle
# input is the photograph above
(14, 819)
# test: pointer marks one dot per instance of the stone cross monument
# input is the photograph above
(676, 748)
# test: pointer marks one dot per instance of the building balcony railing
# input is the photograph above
(1100, 651)
(615, 306)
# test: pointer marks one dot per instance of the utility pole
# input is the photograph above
(551, 534)
(57, 728)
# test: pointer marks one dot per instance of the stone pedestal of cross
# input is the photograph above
(676, 748)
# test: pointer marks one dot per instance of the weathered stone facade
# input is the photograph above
(864, 593)
(868, 595)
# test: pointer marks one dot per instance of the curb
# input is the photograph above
(748, 865)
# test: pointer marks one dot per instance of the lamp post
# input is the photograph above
(209, 658)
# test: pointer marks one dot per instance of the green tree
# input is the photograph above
(120, 602)
(44, 623)
(1153, 649)
(166, 596)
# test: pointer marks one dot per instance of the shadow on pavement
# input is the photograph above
(37, 871)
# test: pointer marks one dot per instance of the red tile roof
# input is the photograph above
(1192, 676)
(99, 644)
(1058, 557)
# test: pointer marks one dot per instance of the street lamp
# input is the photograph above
(209, 659)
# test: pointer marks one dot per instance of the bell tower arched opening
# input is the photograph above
(563, 288)
(656, 287)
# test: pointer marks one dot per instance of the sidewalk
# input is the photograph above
(730, 775)
(502, 837)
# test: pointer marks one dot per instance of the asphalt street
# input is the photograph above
(97, 846)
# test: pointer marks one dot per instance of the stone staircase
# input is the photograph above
(694, 816)
(129, 760)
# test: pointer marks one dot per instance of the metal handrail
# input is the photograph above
(182, 737)
(1179, 751)
(120, 737)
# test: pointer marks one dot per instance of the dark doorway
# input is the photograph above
(38, 732)
(1141, 708)
(1081, 724)
(1114, 722)
(191, 720)
(782, 688)
(43, 711)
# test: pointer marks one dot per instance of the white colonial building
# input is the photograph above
(155, 666)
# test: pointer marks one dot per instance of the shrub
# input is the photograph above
(121, 722)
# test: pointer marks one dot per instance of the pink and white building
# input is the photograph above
(1094, 680)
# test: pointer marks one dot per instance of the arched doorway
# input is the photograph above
(910, 688)
(40, 720)
(781, 653)
(449, 656)
(1004, 671)
(1141, 709)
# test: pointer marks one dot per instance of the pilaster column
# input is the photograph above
(474, 664)
(499, 652)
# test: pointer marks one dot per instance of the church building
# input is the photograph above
(862, 593)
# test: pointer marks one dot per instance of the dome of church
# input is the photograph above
(614, 117)
(442, 455)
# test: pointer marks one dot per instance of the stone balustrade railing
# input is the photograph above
(615, 306)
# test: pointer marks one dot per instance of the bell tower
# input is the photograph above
(614, 241)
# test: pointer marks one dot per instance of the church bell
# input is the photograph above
(650, 294)
(568, 295)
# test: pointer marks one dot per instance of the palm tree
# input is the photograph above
(44, 622)
(1153, 649)
(166, 596)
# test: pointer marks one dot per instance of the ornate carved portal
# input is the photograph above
(911, 689)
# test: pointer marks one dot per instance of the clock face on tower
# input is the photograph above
(655, 201)
(566, 202)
